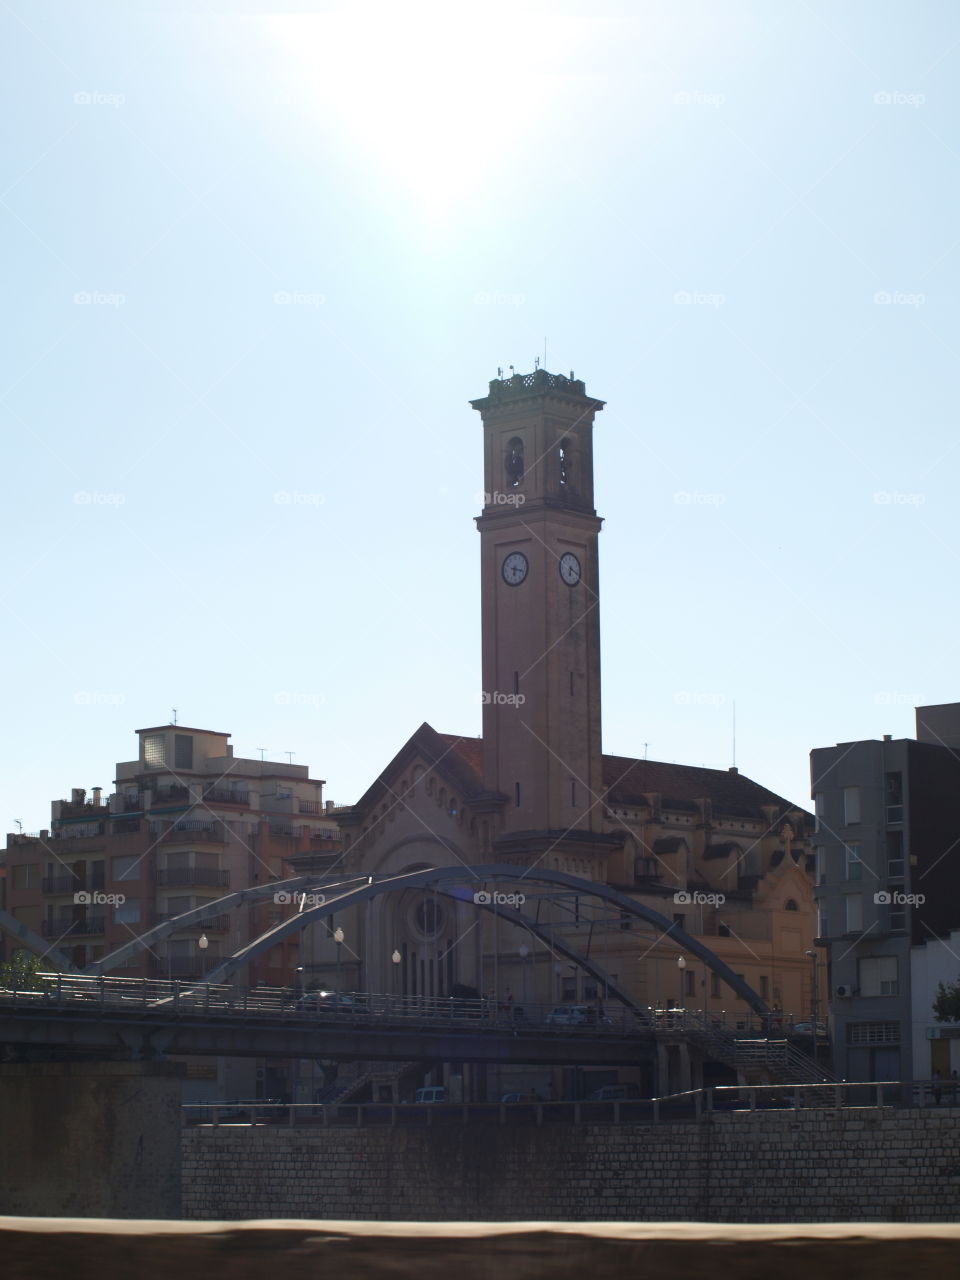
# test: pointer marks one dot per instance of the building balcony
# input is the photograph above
(290, 830)
(131, 804)
(209, 924)
(73, 928)
(313, 807)
(79, 831)
(226, 795)
(68, 882)
(179, 877)
(123, 826)
(162, 795)
(195, 831)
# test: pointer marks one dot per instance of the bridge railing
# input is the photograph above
(689, 1105)
(114, 993)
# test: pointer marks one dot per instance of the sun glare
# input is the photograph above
(436, 96)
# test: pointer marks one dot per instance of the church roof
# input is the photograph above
(627, 781)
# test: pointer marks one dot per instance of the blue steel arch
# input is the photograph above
(376, 885)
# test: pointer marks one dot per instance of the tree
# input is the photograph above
(946, 1007)
(22, 972)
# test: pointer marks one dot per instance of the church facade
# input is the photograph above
(715, 853)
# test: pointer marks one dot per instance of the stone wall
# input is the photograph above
(90, 1139)
(857, 1165)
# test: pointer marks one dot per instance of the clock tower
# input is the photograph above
(540, 607)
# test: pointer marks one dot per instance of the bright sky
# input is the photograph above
(259, 257)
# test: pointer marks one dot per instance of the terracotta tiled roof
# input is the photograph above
(631, 781)
(469, 750)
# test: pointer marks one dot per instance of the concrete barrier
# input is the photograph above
(92, 1249)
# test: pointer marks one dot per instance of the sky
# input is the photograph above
(259, 257)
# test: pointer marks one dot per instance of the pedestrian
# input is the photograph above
(935, 1078)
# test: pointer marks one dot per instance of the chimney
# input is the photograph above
(887, 737)
(97, 792)
(78, 795)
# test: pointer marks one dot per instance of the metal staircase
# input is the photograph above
(757, 1061)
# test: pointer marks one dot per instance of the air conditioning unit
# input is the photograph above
(844, 993)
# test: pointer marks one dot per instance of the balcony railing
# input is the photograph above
(179, 876)
(72, 928)
(310, 806)
(79, 831)
(289, 829)
(132, 804)
(67, 882)
(124, 825)
(171, 793)
(226, 795)
(191, 830)
(209, 924)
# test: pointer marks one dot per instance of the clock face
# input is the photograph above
(570, 569)
(515, 568)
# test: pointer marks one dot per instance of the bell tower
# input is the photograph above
(540, 605)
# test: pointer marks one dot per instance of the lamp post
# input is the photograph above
(681, 966)
(395, 959)
(524, 952)
(203, 942)
(338, 939)
(814, 1002)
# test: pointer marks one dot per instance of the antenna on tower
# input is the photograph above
(536, 362)
(734, 761)
(544, 353)
(645, 745)
(174, 709)
(290, 755)
(262, 751)
(19, 825)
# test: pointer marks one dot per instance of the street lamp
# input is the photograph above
(681, 965)
(524, 952)
(203, 942)
(396, 958)
(338, 936)
(814, 1003)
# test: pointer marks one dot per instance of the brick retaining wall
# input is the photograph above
(857, 1165)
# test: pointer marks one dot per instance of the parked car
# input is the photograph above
(431, 1093)
(614, 1093)
(806, 1029)
(576, 1015)
(512, 1097)
(331, 1002)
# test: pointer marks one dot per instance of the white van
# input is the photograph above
(432, 1093)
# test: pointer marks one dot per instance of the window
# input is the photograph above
(897, 917)
(893, 786)
(877, 976)
(182, 751)
(714, 984)
(851, 805)
(818, 809)
(626, 920)
(127, 867)
(513, 462)
(568, 990)
(873, 1033)
(853, 912)
(678, 919)
(27, 876)
(895, 863)
(127, 912)
(822, 927)
(563, 454)
(155, 751)
(690, 984)
(853, 864)
(820, 856)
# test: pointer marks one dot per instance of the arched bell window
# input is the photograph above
(513, 462)
(564, 460)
